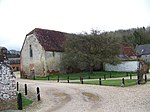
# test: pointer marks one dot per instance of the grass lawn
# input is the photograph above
(86, 75)
(26, 102)
(128, 82)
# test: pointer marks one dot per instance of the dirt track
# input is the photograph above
(64, 97)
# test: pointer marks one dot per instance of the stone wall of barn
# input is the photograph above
(53, 62)
(41, 63)
(8, 97)
(125, 66)
(34, 63)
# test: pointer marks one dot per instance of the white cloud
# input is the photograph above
(18, 17)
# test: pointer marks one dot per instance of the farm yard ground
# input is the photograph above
(64, 97)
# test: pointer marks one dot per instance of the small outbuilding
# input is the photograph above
(143, 52)
(130, 62)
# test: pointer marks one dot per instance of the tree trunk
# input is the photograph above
(91, 69)
(140, 77)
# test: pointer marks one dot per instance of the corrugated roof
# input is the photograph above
(49, 39)
(143, 49)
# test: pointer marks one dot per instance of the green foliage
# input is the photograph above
(90, 50)
(136, 36)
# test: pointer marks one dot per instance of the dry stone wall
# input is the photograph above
(7, 88)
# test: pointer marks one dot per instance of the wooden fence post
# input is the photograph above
(130, 76)
(58, 79)
(19, 101)
(38, 93)
(100, 81)
(138, 78)
(145, 78)
(81, 80)
(123, 82)
(48, 77)
(68, 79)
(34, 77)
(25, 89)
(110, 75)
(17, 86)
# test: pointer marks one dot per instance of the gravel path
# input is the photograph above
(64, 97)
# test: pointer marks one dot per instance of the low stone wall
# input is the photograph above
(8, 97)
(126, 66)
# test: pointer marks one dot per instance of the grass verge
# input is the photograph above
(128, 82)
(87, 75)
(26, 102)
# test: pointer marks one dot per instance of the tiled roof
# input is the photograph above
(49, 39)
(143, 49)
(128, 51)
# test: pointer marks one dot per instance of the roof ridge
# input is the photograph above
(50, 40)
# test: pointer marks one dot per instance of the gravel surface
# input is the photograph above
(64, 97)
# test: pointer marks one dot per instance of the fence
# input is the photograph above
(88, 76)
(127, 81)
(102, 79)
(28, 95)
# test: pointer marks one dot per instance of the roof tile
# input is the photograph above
(50, 40)
(143, 49)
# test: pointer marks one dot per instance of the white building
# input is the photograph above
(124, 66)
(129, 62)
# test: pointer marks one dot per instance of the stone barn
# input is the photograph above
(41, 53)
(7, 83)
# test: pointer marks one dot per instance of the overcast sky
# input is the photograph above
(19, 17)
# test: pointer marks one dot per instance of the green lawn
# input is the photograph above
(86, 75)
(26, 102)
(128, 82)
